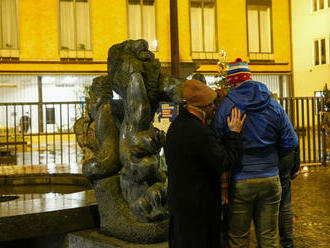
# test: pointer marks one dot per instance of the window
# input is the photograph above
(320, 52)
(203, 25)
(316, 53)
(323, 58)
(75, 31)
(50, 115)
(259, 26)
(142, 21)
(315, 5)
(8, 24)
(319, 4)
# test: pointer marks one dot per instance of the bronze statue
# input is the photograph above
(121, 146)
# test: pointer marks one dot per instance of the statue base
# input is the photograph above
(93, 238)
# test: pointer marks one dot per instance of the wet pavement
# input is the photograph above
(310, 200)
(311, 208)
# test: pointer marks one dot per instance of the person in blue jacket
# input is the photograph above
(267, 135)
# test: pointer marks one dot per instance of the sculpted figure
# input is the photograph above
(99, 136)
(121, 157)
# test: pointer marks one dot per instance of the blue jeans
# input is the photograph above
(255, 199)
(286, 215)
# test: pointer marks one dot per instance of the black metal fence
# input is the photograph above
(42, 133)
(306, 115)
(39, 133)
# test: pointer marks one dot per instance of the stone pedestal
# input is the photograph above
(93, 239)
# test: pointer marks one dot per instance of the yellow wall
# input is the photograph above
(306, 27)
(38, 22)
(163, 31)
(281, 32)
(184, 31)
(109, 26)
(232, 34)
(38, 29)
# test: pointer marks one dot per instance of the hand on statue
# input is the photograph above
(235, 122)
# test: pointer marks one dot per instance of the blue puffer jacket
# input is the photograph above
(267, 131)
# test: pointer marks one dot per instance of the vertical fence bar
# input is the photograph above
(7, 131)
(54, 148)
(15, 132)
(313, 129)
(46, 132)
(324, 159)
(303, 127)
(319, 128)
(61, 138)
(286, 106)
(324, 147)
(297, 123)
(39, 124)
(31, 140)
(69, 133)
(291, 114)
(281, 100)
(308, 131)
(23, 131)
(75, 119)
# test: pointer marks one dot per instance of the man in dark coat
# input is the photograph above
(195, 160)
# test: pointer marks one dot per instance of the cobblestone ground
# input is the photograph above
(311, 207)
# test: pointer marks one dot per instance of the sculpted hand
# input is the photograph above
(235, 123)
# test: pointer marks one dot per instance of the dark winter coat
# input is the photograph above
(195, 160)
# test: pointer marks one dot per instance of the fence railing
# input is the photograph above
(39, 133)
(305, 114)
(42, 133)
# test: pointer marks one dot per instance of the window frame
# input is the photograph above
(316, 5)
(17, 28)
(49, 114)
(259, 33)
(318, 61)
(142, 26)
(75, 28)
(203, 32)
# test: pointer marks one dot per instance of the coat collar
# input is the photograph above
(200, 114)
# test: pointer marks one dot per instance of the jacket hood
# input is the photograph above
(250, 96)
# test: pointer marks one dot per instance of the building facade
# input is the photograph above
(50, 50)
(70, 38)
(310, 46)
